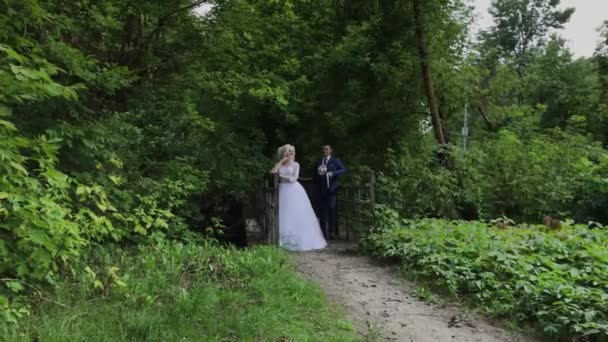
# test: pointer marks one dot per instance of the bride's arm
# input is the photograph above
(277, 166)
(296, 172)
(287, 178)
(293, 174)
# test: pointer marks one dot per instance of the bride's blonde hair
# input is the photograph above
(281, 151)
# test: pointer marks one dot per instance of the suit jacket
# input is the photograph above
(335, 166)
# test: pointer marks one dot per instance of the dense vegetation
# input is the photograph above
(555, 280)
(184, 292)
(125, 124)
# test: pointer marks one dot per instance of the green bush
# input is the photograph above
(526, 178)
(557, 280)
(48, 217)
(416, 183)
(515, 174)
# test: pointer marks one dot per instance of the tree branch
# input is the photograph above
(163, 20)
(485, 117)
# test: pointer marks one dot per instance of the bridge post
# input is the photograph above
(275, 211)
(271, 209)
(372, 196)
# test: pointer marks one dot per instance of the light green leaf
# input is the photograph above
(54, 89)
(25, 72)
(161, 223)
(37, 236)
(12, 53)
(15, 286)
(140, 229)
(22, 270)
(115, 179)
(8, 125)
(5, 111)
(55, 177)
(19, 167)
(81, 190)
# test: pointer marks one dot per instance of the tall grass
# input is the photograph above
(186, 292)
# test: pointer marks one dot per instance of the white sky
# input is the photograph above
(204, 8)
(580, 32)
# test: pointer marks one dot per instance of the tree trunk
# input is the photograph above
(429, 88)
(485, 117)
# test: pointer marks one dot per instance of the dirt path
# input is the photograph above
(383, 306)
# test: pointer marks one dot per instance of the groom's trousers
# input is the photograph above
(329, 215)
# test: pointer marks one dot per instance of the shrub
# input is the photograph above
(557, 280)
(524, 177)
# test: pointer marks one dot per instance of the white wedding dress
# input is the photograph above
(299, 228)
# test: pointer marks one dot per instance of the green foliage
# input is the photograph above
(555, 280)
(565, 86)
(522, 25)
(517, 173)
(48, 218)
(193, 292)
(65, 185)
(416, 184)
(558, 173)
(122, 122)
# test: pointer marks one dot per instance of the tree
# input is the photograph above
(423, 50)
(600, 121)
(504, 55)
(522, 25)
(567, 88)
(601, 56)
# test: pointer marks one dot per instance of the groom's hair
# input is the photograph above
(328, 145)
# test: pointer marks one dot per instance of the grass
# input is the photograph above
(176, 292)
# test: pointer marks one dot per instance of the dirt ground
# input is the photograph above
(384, 306)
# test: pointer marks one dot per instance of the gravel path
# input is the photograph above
(384, 306)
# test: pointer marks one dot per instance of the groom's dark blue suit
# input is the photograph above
(328, 187)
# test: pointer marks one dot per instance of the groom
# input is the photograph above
(325, 177)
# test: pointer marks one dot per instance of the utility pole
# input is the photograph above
(465, 128)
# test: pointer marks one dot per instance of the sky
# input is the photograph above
(204, 8)
(580, 32)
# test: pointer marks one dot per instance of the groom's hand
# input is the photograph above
(329, 174)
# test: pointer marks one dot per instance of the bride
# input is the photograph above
(299, 229)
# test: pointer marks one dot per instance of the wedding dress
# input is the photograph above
(299, 229)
